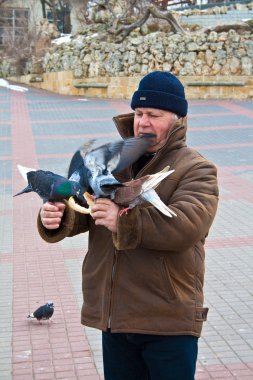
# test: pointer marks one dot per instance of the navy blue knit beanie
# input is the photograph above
(161, 89)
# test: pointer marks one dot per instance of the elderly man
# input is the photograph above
(143, 274)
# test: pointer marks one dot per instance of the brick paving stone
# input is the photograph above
(35, 131)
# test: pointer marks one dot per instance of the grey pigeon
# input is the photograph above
(95, 168)
(44, 312)
(130, 194)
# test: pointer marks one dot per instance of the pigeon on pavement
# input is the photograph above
(44, 312)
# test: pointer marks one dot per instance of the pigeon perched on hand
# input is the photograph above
(142, 189)
(44, 312)
(50, 186)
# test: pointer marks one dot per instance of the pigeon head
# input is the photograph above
(63, 189)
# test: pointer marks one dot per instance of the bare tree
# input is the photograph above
(125, 30)
(60, 10)
(127, 15)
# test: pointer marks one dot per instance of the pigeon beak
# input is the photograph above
(80, 197)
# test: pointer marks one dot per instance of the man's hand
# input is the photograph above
(105, 213)
(51, 214)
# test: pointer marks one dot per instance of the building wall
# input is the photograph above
(209, 20)
(34, 7)
(35, 10)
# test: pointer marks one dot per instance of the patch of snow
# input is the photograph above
(63, 39)
(5, 83)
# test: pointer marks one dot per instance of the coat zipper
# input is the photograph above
(112, 278)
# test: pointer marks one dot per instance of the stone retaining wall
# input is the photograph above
(227, 53)
(197, 87)
(212, 65)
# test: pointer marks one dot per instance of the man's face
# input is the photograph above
(156, 121)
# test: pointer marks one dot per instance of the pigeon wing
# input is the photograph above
(131, 149)
(38, 313)
(116, 156)
(78, 169)
(152, 181)
(152, 197)
(78, 172)
(48, 311)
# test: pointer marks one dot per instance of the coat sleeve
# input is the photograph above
(73, 223)
(194, 199)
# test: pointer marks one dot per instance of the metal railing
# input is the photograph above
(203, 5)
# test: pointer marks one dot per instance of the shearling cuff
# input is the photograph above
(67, 225)
(128, 235)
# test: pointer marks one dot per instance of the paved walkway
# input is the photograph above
(42, 130)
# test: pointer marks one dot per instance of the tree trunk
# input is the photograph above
(125, 30)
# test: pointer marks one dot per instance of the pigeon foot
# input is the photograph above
(124, 211)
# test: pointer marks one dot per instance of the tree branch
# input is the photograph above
(168, 17)
(125, 30)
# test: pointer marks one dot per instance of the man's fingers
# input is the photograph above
(56, 206)
(50, 226)
(51, 214)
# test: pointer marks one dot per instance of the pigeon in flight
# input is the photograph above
(44, 312)
(50, 186)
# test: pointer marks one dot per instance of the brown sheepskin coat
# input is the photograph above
(148, 277)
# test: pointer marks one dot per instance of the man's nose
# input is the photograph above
(144, 121)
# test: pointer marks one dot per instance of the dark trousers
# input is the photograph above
(149, 357)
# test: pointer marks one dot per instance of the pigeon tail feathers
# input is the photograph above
(23, 170)
(154, 179)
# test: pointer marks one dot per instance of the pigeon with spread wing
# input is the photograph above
(96, 168)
